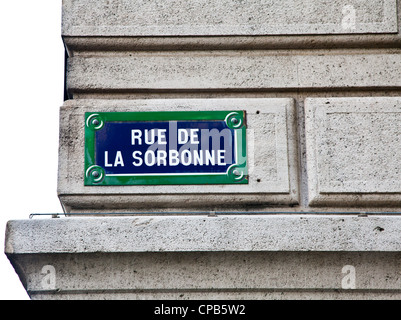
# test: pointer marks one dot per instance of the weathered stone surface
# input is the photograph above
(272, 294)
(228, 70)
(353, 153)
(272, 158)
(254, 257)
(295, 232)
(227, 17)
(211, 275)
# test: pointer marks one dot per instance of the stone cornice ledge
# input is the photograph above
(201, 233)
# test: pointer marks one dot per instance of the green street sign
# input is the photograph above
(165, 148)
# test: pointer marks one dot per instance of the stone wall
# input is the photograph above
(320, 83)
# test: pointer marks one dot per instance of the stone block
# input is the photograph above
(272, 159)
(212, 275)
(229, 70)
(239, 233)
(353, 151)
(224, 257)
(227, 17)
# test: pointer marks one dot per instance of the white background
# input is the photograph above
(31, 92)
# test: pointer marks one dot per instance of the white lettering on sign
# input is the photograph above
(150, 136)
(174, 158)
(187, 146)
(118, 160)
(188, 135)
(138, 160)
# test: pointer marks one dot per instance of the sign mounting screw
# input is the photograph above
(236, 173)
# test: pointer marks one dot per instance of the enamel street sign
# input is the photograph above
(169, 147)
